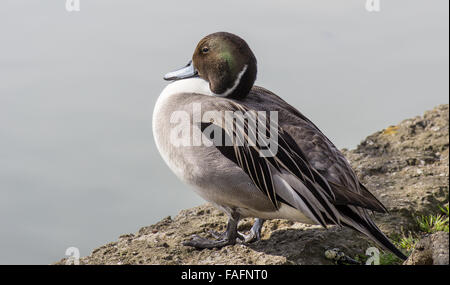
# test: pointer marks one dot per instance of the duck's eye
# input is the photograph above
(205, 50)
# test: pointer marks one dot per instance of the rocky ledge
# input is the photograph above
(405, 166)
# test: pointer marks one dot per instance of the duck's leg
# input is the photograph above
(227, 238)
(255, 231)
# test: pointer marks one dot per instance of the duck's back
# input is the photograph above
(318, 149)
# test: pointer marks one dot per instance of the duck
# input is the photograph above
(298, 174)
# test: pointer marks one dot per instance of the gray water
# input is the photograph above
(78, 164)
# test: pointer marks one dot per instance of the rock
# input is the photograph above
(431, 250)
(405, 166)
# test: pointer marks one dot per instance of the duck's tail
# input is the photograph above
(359, 220)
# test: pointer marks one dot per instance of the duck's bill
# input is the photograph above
(186, 72)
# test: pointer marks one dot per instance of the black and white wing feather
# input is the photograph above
(283, 175)
(288, 175)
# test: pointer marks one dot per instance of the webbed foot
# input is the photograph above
(229, 237)
(223, 239)
(202, 243)
(255, 232)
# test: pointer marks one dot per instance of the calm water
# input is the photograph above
(78, 164)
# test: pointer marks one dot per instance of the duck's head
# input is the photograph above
(225, 61)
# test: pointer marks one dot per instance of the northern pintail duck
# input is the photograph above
(305, 179)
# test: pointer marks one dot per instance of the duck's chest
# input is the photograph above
(172, 114)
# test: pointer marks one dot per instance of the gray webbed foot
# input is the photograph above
(223, 239)
(229, 237)
(255, 232)
(223, 235)
(201, 243)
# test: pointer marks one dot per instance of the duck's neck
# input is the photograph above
(244, 82)
(230, 90)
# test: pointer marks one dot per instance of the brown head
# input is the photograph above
(225, 61)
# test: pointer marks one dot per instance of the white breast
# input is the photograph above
(191, 85)
(161, 114)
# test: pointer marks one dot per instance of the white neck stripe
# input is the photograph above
(236, 83)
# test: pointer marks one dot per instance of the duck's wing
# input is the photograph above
(312, 171)
(278, 166)
(319, 151)
(285, 173)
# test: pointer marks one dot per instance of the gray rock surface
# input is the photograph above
(431, 250)
(405, 166)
